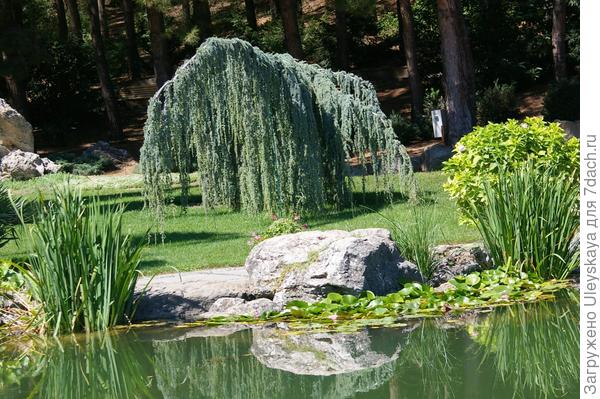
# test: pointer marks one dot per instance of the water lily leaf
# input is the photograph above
(297, 304)
(380, 311)
(349, 299)
(472, 279)
(367, 294)
(334, 297)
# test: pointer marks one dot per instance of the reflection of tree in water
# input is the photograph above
(223, 367)
(535, 346)
(101, 367)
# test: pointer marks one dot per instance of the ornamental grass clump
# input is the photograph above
(82, 267)
(530, 219)
(267, 133)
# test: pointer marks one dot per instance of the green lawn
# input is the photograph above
(202, 238)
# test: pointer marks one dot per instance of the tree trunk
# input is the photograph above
(133, 57)
(400, 30)
(14, 63)
(341, 34)
(410, 54)
(251, 14)
(103, 19)
(274, 9)
(75, 18)
(458, 70)
(63, 32)
(559, 44)
(201, 18)
(158, 43)
(106, 88)
(289, 17)
(187, 16)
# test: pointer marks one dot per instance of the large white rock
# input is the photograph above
(15, 131)
(310, 264)
(20, 165)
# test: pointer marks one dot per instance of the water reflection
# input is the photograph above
(518, 351)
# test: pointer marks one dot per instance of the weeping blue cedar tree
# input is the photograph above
(266, 132)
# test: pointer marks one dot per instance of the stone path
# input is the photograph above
(186, 295)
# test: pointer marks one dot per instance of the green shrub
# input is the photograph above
(405, 130)
(432, 100)
(415, 240)
(85, 164)
(280, 226)
(82, 268)
(529, 219)
(496, 103)
(480, 155)
(562, 101)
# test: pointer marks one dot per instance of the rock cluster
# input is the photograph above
(21, 165)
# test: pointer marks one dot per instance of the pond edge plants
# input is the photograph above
(530, 219)
(82, 267)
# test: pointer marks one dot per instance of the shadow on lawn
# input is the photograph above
(182, 237)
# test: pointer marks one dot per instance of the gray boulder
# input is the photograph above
(21, 165)
(15, 131)
(308, 265)
(240, 307)
(459, 259)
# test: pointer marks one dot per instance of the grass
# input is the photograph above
(202, 238)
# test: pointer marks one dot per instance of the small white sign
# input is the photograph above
(438, 123)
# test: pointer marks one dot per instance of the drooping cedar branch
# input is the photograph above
(266, 132)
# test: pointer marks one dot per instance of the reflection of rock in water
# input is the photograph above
(224, 367)
(318, 353)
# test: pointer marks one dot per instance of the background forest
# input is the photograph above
(82, 70)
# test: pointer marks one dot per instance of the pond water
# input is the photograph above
(516, 351)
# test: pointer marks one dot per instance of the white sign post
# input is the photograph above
(437, 121)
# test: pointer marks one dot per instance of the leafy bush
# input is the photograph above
(387, 26)
(85, 164)
(496, 103)
(562, 101)
(405, 130)
(7, 217)
(82, 267)
(280, 226)
(480, 155)
(529, 218)
(415, 240)
(432, 100)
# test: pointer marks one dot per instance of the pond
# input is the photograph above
(514, 351)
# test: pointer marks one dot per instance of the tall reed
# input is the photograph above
(529, 218)
(82, 268)
(416, 238)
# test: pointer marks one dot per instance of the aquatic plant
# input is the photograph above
(7, 217)
(266, 132)
(529, 218)
(488, 288)
(82, 267)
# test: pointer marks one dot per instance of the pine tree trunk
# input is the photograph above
(274, 9)
(15, 68)
(103, 19)
(410, 54)
(158, 43)
(251, 14)
(133, 57)
(75, 18)
(187, 16)
(63, 32)
(559, 45)
(17, 96)
(458, 70)
(201, 18)
(341, 34)
(400, 29)
(289, 17)
(106, 88)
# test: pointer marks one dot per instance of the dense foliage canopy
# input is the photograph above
(266, 132)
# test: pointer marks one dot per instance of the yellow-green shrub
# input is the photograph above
(482, 153)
